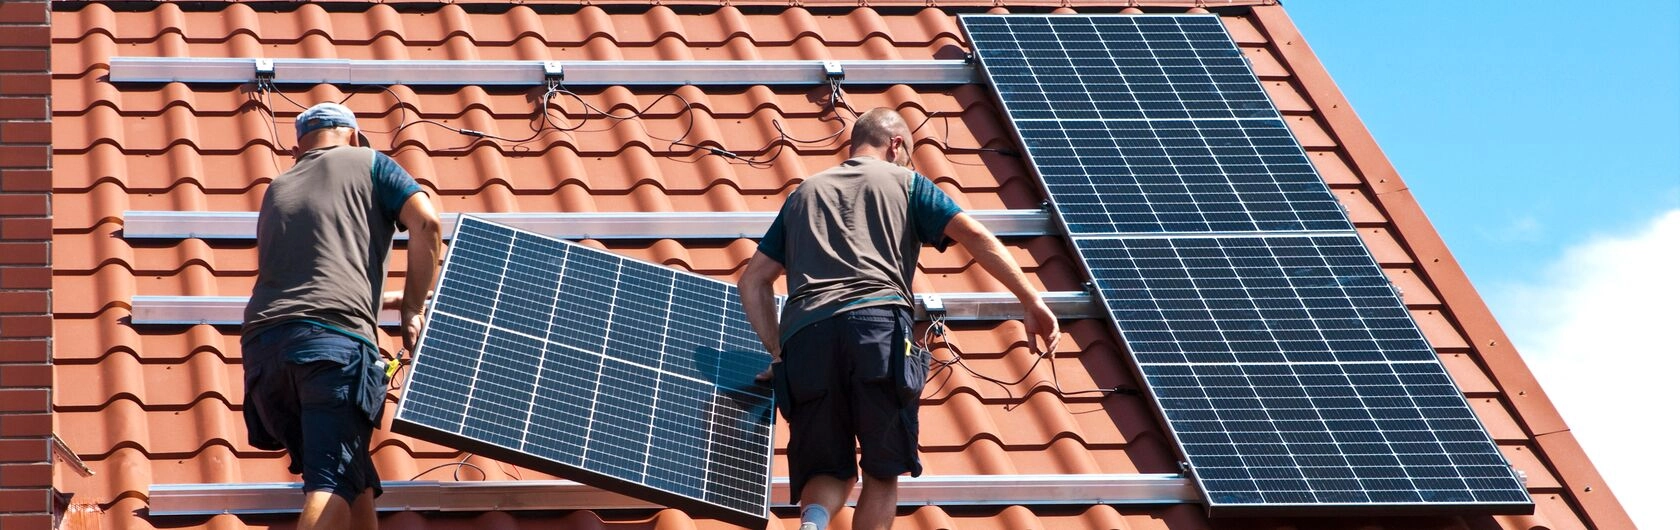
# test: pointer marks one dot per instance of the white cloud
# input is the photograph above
(1599, 329)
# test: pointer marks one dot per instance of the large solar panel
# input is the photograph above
(1292, 374)
(621, 374)
(1288, 369)
(1142, 124)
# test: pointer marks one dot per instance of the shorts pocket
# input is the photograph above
(255, 428)
(806, 380)
(373, 385)
(324, 384)
(877, 340)
(912, 372)
(781, 390)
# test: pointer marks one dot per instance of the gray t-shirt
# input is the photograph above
(323, 239)
(850, 237)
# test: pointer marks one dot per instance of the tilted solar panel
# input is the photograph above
(1286, 366)
(621, 374)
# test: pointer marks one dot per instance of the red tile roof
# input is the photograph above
(146, 405)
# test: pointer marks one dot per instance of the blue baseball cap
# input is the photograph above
(326, 115)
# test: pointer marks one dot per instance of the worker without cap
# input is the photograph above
(314, 382)
(842, 367)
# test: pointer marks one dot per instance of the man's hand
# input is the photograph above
(1041, 325)
(764, 376)
(411, 326)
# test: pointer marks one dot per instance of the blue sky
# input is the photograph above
(1543, 141)
(1520, 126)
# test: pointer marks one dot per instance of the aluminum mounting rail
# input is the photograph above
(166, 500)
(537, 73)
(594, 225)
(230, 310)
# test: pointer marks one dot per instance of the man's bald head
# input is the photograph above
(877, 127)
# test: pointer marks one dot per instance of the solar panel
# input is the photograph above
(621, 374)
(1289, 371)
(1142, 124)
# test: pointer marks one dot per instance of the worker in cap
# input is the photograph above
(314, 379)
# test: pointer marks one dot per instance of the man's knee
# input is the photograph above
(363, 515)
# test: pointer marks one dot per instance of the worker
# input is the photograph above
(841, 366)
(314, 379)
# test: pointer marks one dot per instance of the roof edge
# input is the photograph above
(1534, 410)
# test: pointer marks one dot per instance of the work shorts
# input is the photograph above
(837, 388)
(317, 394)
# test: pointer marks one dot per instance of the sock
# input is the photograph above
(815, 514)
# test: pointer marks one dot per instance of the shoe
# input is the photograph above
(809, 526)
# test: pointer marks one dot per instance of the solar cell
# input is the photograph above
(1288, 369)
(625, 375)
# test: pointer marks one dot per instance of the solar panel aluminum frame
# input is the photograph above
(1213, 509)
(696, 507)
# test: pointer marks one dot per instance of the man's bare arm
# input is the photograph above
(995, 259)
(758, 299)
(425, 244)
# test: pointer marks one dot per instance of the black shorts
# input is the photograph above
(837, 375)
(317, 394)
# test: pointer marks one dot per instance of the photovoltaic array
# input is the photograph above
(1288, 369)
(625, 375)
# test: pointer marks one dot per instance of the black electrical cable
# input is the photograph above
(945, 138)
(263, 88)
(687, 110)
(937, 328)
(462, 463)
(837, 99)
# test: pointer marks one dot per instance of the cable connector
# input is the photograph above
(473, 133)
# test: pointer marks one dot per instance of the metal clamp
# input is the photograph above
(833, 71)
(264, 73)
(933, 305)
(553, 74)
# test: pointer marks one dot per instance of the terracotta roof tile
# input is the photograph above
(160, 404)
(1467, 374)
